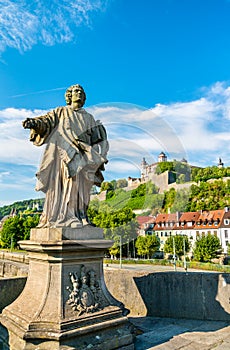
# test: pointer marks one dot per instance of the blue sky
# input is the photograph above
(156, 72)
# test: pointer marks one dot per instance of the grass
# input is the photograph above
(163, 262)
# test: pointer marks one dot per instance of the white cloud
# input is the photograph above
(15, 146)
(196, 130)
(3, 174)
(25, 23)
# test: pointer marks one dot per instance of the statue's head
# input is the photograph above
(75, 94)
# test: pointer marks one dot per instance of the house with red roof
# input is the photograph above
(164, 225)
(209, 222)
(191, 224)
(185, 226)
(225, 230)
(146, 225)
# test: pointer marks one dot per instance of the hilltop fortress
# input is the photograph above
(163, 181)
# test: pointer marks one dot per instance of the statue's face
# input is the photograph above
(68, 96)
(78, 95)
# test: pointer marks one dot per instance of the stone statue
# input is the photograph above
(73, 161)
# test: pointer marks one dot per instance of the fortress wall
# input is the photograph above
(181, 186)
(101, 196)
(161, 181)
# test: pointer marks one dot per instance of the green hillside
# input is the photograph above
(205, 196)
(20, 206)
(211, 192)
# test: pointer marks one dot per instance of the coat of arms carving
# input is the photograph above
(85, 295)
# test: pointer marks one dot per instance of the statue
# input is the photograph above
(73, 161)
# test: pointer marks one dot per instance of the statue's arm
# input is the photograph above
(41, 127)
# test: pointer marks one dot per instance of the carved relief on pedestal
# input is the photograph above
(85, 294)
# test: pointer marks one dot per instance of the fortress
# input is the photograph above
(163, 181)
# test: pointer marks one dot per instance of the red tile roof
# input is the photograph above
(143, 219)
(210, 219)
(186, 219)
(166, 218)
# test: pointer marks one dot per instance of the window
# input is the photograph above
(226, 233)
(226, 221)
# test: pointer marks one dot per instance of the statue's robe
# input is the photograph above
(71, 164)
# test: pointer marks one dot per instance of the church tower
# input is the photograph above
(144, 165)
(162, 157)
(220, 164)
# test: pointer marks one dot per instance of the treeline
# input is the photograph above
(205, 174)
(21, 206)
(185, 173)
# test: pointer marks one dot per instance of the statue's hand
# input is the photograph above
(29, 123)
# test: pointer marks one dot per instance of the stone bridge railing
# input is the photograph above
(193, 295)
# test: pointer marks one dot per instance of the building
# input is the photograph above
(163, 181)
(191, 224)
(146, 225)
(225, 230)
(164, 225)
(209, 223)
(185, 226)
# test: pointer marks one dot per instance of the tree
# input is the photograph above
(181, 200)
(115, 249)
(139, 191)
(116, 223)
(107, 186)
(16, 229)
(179, 245)
(28, 223)
(122, 183)
(169, 199)
(12, 232)
(207, 248)
(151, 188)
(164, 166)
(147, 245)
(183, 171)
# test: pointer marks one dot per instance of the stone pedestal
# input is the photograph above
(65, 303)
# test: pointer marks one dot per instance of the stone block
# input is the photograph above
(65, 302)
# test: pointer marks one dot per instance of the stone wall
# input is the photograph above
(192, 295)
(10, 288)
(197, 295)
